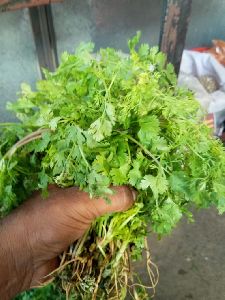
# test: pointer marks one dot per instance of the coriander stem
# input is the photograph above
(196, 153)
(8, 124)
(128, 150)
(83, 156)
(26, 140)
(147, 152)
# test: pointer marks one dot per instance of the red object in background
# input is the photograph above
(209, 120)
(217, 50)
(201, 49)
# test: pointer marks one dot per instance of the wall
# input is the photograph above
(18, 61)
(207, 22)
(107, 23)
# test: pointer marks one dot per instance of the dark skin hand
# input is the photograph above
(35, 234)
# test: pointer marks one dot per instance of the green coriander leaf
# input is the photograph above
(134, 41)
(119, 175)
(158, 184)
(110, 111)
(166, 217)
(143, 51)
(42, 144)
(179, 182)
(53, 123)
(149, 129)
(135, 174)
(100, 129)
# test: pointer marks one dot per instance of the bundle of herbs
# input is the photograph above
(111, 119)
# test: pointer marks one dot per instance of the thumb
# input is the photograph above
(122, 199)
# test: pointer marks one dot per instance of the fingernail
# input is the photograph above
(134, 194)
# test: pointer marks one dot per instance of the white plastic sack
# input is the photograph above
(200, 64)
(194, 65)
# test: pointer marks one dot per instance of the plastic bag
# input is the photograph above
(194, 65)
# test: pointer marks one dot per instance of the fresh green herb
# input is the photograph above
(111, 119)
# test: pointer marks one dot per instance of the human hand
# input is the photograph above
(38, 231)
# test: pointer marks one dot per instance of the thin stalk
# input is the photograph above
(8, 124)
(79, 249)
(147, 152)
(26, 140)
(83, 156)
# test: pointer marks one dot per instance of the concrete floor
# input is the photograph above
(191, 260)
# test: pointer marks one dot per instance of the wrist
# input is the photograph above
(15, 263)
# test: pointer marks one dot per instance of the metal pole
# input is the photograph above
(174, 29)
(44, 36)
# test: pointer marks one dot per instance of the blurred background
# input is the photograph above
(192, 260)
